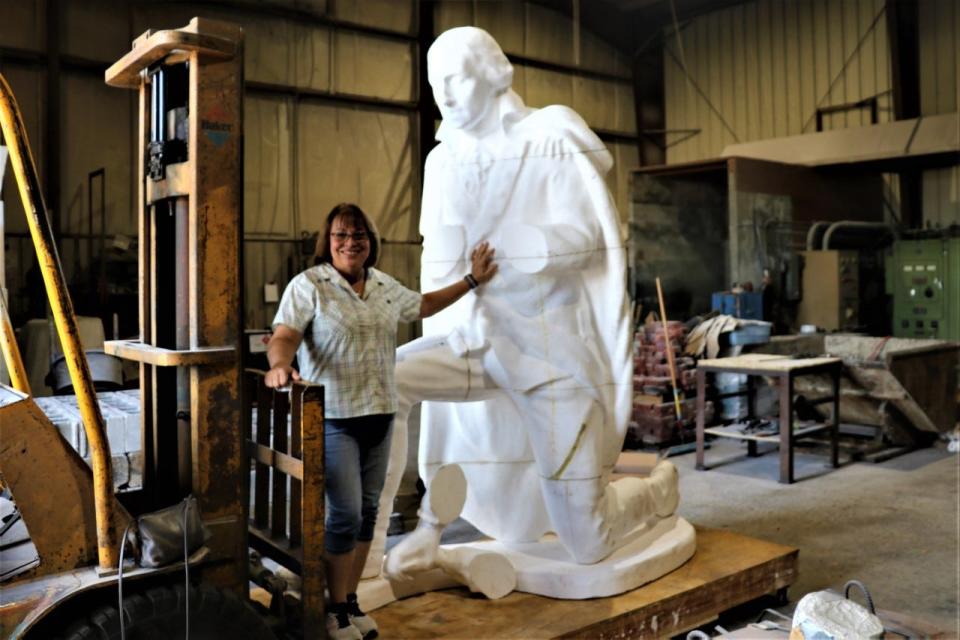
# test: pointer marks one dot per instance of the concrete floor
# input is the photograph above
(895, 526)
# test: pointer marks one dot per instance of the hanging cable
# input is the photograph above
(123, 545)
(186, 572)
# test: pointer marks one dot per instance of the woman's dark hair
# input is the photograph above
(350, 213)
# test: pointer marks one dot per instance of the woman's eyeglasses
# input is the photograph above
(356, 236)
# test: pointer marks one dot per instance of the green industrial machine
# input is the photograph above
(923, 276)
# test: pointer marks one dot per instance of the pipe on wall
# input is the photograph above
(812, 234)
(855, 224)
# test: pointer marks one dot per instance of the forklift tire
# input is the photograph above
(159, 613)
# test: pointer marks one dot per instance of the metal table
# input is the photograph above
(786, 370)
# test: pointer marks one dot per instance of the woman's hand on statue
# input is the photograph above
(481, 260)
(281, 376)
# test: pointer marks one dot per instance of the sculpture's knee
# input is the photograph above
(404, 380)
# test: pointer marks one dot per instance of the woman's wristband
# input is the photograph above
(471, 281)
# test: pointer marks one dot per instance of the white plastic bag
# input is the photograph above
(825, 615)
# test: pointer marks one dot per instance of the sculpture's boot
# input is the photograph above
(665, 485)
(591, 519)
(441, 506)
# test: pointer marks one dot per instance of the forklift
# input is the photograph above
(190, 84)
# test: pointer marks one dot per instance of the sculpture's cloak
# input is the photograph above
(567, 321)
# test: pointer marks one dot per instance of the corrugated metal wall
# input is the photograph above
(761, 69)
(940, 93)
(304, 153)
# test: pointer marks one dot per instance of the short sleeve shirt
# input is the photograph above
(349, 342)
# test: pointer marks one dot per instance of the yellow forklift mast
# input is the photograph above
(190, 84)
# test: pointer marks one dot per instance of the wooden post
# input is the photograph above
(786, 428)
(311, 437)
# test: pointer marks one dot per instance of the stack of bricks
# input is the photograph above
(654, 413)
(651, 369)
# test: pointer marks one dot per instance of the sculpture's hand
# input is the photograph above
(481, 260)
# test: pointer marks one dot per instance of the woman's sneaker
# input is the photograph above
(364, 623)
(339, 626)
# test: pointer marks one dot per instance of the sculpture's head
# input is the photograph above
(467, 71)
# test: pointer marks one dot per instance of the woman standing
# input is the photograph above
(340, 318)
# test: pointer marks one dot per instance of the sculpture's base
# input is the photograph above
(728, 569)
(545, 568)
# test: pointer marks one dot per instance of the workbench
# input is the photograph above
(786, 370)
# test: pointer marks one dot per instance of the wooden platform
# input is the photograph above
(728, 569)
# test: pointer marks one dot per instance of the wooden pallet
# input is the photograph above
(728, 569)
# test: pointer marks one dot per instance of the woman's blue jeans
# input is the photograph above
(355, 461)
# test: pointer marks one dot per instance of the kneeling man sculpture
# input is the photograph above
(526, 385)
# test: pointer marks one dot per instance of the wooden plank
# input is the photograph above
(282, 462)
(728, 569)
(261, 472)
(277, 549)
(798, 432)
(296, 484)
(278, 495)
(771, 366)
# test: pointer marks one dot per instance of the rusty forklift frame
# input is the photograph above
(193, 405)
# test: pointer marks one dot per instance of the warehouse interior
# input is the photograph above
(786, 176)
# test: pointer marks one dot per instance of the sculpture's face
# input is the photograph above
(463, 96)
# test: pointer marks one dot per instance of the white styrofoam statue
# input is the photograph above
(525, 385)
